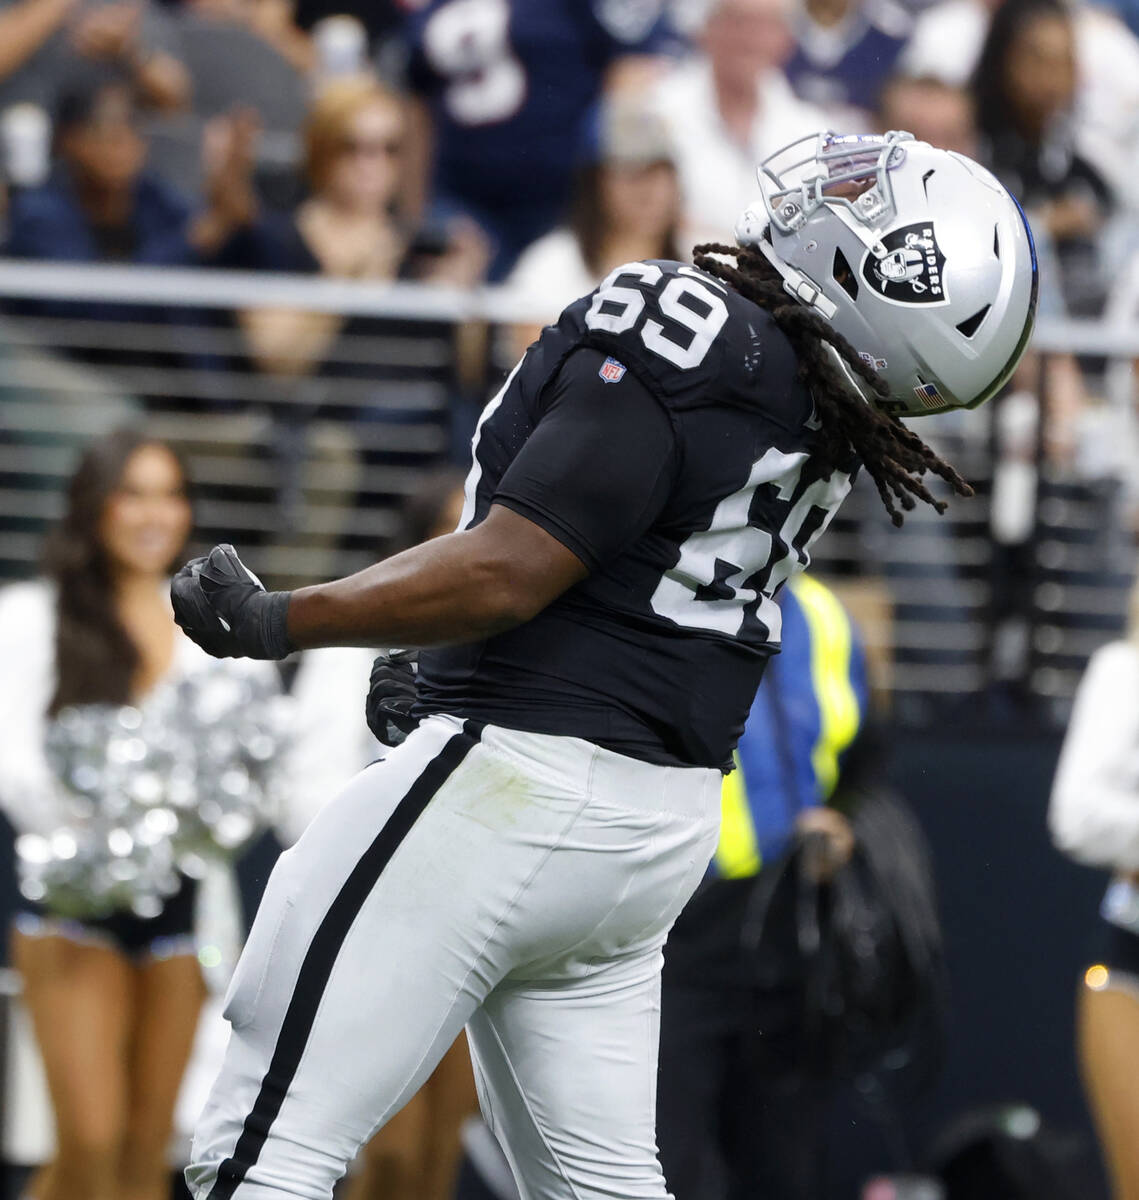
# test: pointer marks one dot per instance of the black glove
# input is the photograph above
(391, 693)
(225, 608)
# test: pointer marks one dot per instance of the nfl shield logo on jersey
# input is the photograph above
(611, 371)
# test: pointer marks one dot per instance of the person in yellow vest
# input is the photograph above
(736, 1117)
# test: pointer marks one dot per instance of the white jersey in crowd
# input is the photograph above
(717, 172)
(551, 273)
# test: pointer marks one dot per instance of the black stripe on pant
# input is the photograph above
(321, 956)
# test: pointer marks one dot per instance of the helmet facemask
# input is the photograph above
(917, 256)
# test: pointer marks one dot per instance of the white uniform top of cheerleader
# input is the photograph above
(330, 739)
(1094, 812)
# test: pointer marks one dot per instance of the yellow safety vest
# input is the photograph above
(831, 638)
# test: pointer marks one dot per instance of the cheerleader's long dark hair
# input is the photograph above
(894, 456)
(96, 660)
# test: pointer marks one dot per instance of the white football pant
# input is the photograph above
(519, 884)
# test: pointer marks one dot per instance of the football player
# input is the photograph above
(655, 467)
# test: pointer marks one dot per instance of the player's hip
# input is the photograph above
(506, 846)
(580, 848)
(515, 792)
(580, 767)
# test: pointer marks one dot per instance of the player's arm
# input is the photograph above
(456, 588)
(590, 479)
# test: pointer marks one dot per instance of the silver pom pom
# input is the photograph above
(154, 791)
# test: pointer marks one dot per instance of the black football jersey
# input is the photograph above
(660, 431)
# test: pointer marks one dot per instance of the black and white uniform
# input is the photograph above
(516, 864)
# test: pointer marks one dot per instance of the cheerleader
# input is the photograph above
(114, 1001)
(1094, 818)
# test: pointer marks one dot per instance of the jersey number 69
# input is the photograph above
(694, 312)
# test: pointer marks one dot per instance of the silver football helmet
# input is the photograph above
(918, 256)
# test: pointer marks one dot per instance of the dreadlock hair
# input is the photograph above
(894, 456)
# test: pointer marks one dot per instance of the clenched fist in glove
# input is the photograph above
(225, 608)
(391, 694)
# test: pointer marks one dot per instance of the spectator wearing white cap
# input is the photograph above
(626, 207)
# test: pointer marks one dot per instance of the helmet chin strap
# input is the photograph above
(752, 228)
(795, 283)
(749, 232)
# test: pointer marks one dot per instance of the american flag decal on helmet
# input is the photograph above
(930, 397)
(611, 371)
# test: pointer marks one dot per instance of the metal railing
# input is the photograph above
(308, 470)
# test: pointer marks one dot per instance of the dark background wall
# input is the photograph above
(1017, 920)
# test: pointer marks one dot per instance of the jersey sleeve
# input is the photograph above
(599, 466)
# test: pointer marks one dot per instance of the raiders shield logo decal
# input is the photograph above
(913, 270)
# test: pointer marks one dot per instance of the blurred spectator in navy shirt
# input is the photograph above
(844, 52)
(505, 87)
(101, 204)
